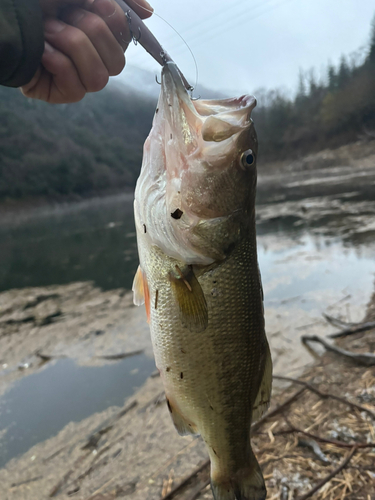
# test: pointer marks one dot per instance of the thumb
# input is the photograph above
(140, 7)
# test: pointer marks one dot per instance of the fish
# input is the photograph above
(199, 276)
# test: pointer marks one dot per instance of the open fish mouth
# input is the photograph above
(210, 120)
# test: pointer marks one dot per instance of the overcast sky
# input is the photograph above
(242, 45)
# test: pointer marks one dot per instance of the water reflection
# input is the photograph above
(95, 240)
(40, 405)
(316, 253)
(84, 241)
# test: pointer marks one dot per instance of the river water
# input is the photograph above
(316, 247)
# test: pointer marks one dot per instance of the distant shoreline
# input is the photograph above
(350, 154)
(14, 206)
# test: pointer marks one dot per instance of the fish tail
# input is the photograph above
(246, 484)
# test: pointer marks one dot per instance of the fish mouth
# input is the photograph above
(177, 106)
(172, 82)
(209, 120)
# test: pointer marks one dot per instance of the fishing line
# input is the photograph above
(220, 12)
(239, 19)
(184, 41)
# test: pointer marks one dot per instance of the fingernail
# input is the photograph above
(48, 47)
(147, 6)
(105, 8)
(76, 15)
(53, 26)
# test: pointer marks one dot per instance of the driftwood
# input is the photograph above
(366, 359)
(325, 395)
(347, 328)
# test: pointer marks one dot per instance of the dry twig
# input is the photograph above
(120, 355)
(329, 476)
(184, 482)
(335, 442)
(255, 426)
(347, 328)
(198, 490)
(325, 395)
(366, 359)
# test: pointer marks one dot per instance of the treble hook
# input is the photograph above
(157, 81)
(133, 37)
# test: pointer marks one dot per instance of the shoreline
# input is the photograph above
(134, 450)
(351, 154)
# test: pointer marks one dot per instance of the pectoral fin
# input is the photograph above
(190, 299)
(262, 401)
(138, 290)
(141, 293)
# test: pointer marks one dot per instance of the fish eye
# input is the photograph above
(247, 158)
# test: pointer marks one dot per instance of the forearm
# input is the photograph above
(21, 41)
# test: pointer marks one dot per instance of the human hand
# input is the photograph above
(85, 41)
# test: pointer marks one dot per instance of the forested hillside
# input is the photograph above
(87, 147)
(96, 145)
(329, 113)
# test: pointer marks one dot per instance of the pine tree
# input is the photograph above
(371, 56)
(301, 90)
(332, 77)
(343, 74)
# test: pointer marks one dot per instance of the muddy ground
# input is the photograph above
(133, 451)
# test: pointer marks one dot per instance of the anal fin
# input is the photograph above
(182, 425)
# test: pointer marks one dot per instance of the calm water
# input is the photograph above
(316, 246)
(78, 242)
(40, 405)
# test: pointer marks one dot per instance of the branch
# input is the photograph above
(255, 426)
(325, 480)
(335, 442)
(198, 491)
(348, 328)
(184, 482)
(366, 359)
(325, 395)
(120, 355)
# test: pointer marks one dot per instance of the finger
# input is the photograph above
(57, 81)
(101, 37)
(50, 8)
(141, 7)
(115, 19)
(66, 85)
(75, 44)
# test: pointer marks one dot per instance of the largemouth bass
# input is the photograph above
(199, 276)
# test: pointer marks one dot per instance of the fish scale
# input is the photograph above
(205, 309)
